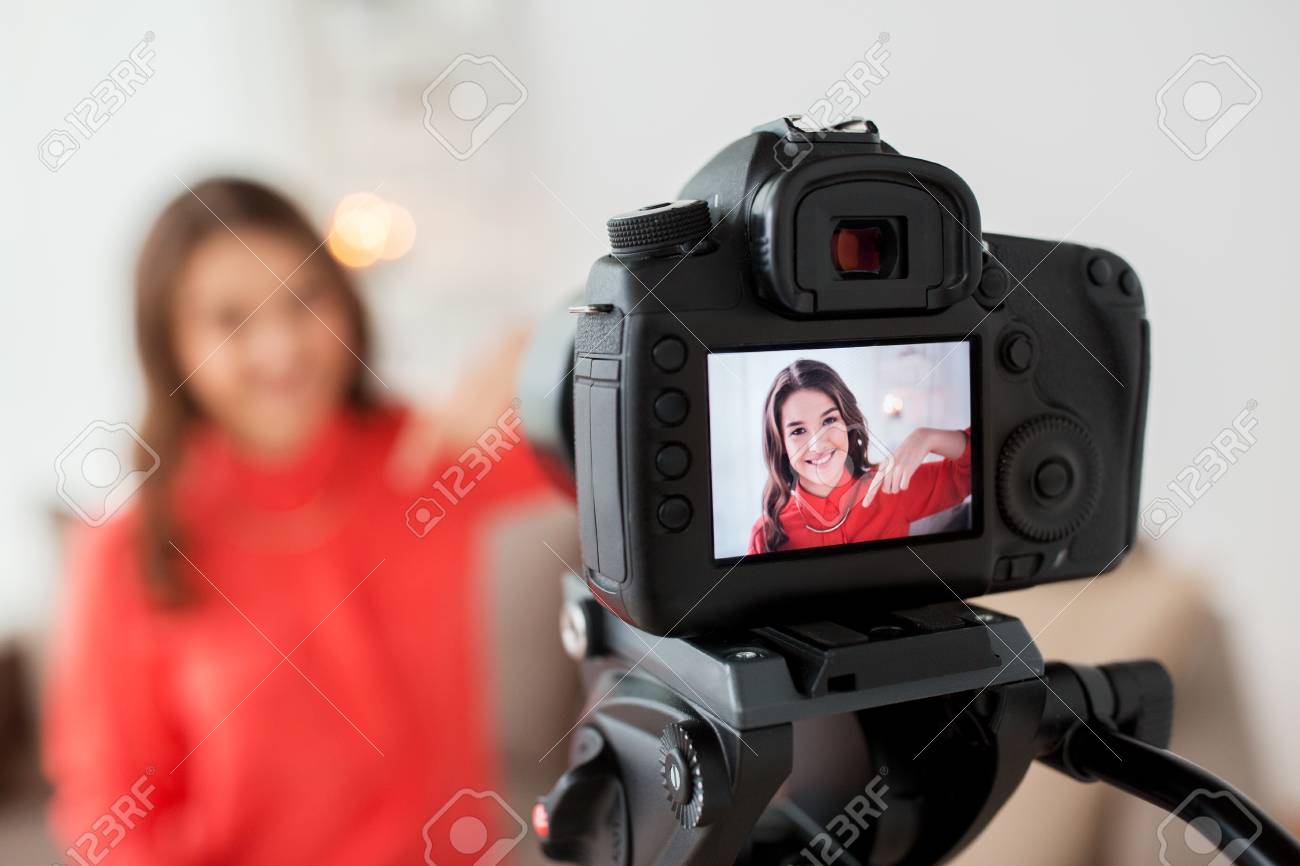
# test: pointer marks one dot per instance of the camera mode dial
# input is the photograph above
(692, 772)
(659, 228)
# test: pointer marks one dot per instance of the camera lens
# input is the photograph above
(866, 249)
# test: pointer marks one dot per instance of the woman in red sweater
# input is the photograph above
(270, 655)
(821, 488)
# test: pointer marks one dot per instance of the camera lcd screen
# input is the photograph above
(825, 447)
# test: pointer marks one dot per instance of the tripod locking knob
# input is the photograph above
(693, 772)
(584, 818)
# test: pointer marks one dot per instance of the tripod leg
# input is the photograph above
(1113, 723)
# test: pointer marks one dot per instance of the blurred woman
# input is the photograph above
(274, 653)
(822, 490)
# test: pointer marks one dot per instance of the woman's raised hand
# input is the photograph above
(896, 472)
(482, 391)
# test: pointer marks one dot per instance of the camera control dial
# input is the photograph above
(659, 228)
(1049, 478)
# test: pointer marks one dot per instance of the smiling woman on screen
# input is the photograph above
(821, 488)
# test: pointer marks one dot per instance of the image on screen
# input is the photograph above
(815, 448)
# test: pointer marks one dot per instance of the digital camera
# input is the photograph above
(813, 388)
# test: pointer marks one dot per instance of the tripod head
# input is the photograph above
(873, 741)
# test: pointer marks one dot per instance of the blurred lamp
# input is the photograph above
(365, 229)
(401, 232)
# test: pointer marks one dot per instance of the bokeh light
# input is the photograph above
(366, 229)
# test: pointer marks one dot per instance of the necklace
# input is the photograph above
(852, 495)
(829, 529)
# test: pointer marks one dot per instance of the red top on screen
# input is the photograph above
(826, 521)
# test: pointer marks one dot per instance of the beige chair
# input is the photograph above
(536, 686)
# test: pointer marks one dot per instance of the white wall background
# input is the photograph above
(1042, 108)
(932, 380)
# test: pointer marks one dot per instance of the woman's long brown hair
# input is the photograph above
(213, 207)
(780, 474)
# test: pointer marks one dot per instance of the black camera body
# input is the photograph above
(803, 239)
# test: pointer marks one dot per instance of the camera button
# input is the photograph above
(1017, 353)
(674, 513)
(604, 368)
(670, 407)
(1128, 281)
(1052, 479)
(669, 354)
(1100, 271)
(672, 461)
(994, 286)
(1018, 567)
